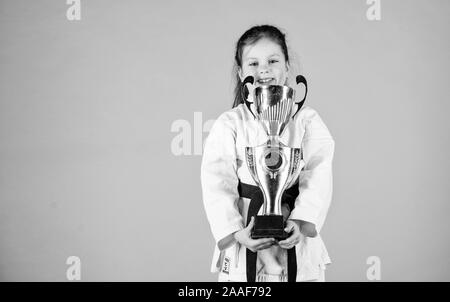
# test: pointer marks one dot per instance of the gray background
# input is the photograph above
(86, 110)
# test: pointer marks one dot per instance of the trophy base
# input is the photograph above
(269, 226)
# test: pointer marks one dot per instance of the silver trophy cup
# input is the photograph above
(272, 164)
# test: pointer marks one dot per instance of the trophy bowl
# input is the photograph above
(274, 107)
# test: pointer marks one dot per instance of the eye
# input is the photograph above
(273, 61)
(253, 63)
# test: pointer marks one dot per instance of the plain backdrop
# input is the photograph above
(87, 110)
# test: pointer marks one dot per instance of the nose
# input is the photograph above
(263, 69)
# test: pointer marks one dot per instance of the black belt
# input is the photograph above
(255, 195)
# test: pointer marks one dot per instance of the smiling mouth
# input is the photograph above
(266, 81)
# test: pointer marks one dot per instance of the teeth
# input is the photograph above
(264, 80)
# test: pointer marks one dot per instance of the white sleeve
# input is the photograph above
(219, 180)
(316, 179)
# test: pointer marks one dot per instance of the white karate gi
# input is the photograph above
(223, 164)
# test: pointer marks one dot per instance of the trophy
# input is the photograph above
(273, 165)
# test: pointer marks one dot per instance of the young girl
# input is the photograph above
(262, 52)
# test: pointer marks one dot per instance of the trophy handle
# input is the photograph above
(245, 92)
(297, 163)
(251, 164)
(301, 79)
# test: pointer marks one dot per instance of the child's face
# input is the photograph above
(265, 61)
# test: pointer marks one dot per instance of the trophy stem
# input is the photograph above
(273, 141)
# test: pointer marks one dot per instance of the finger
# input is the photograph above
(289, 228)
(263, 241)
(292, 240)
(288, 244)
(265, 246)
(293, 231)
(287, 247)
